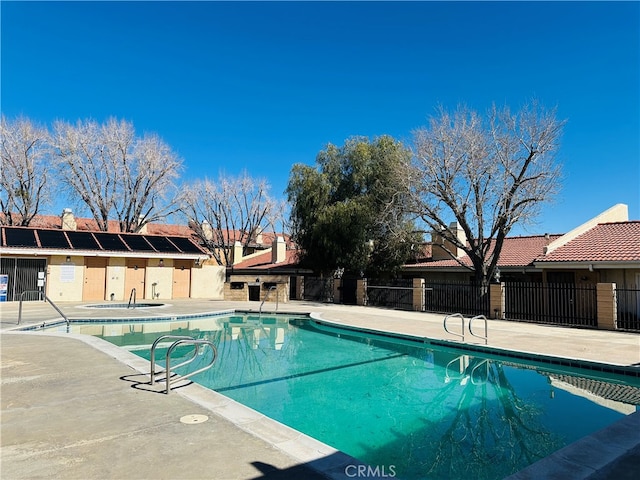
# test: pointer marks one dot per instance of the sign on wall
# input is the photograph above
(67, 273)
(4, 287)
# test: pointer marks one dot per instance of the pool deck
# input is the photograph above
(74, 406)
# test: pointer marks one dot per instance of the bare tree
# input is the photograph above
(26, 186)
(116, 174)
(225, 211)
(486, 174)
(278, 217)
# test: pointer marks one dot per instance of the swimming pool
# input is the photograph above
(428, 411)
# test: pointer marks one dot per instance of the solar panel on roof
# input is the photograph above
(162, 244)
(83, 240)
(111, 241)
(53, 239)
(20, 237)
(137, 243)
(185, 245)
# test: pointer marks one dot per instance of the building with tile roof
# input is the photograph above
(515, 262)
(612, 250)
(603, 249)
(78, 262)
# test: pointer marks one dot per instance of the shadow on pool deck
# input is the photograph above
(69, 409)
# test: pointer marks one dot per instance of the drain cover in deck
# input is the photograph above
(193, 419)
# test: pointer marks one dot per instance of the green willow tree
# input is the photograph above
(347, 213)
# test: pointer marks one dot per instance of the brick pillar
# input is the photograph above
(337, 290)
(361, 292)
(496, 300)
(418, 294)
(607, 306)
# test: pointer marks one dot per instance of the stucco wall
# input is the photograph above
(65, 280)
(207, 281)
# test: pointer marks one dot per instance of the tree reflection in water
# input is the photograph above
(490, 427)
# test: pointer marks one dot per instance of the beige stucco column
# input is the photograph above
(418, 294)
(337, 291)
(361, 292)
(496, 300)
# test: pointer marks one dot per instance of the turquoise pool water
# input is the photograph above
(430, 413)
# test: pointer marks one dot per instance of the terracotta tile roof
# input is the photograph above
(263, 261)
(606, 242)
(516, 252)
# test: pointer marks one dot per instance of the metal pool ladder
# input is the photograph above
(486, 336)
(456, 315)
(180, 340)
(461, 335)
(271, 289)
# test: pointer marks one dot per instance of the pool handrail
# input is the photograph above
(197, 344)
(455, 315)
(267, 296)
(152, 358)
(132, 295)
(41, 294)
(486, 334)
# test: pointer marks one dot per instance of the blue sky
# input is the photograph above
(259, 86)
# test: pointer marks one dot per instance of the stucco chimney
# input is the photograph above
(457, 230)
(207, 231)
(278, 250)
(144, 227)
(439, 245)
(68, 220)
(237, 252)
(257, 235)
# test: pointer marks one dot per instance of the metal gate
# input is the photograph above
(456, 297)
(318, 289)
(348, 288)
(397, 293)
(23, 275)
(555, 303)
(628, 308)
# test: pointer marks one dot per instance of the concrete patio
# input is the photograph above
(75, 406)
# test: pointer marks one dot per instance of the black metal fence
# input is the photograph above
(23, 275)
(397, 293)
(628, 308)
(318, 289)
(456, 297)
(554, 303)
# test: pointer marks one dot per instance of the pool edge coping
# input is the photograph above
(571, 362)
